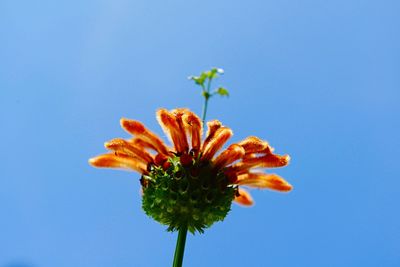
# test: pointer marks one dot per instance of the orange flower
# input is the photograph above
(184, 128)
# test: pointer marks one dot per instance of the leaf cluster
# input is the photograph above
(204, 81)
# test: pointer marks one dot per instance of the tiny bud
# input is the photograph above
(166, 165)
(143, 182)
(160, 159)
(194, 172)
(186, 159)
(149, 166)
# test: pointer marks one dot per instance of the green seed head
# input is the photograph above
(193, 195)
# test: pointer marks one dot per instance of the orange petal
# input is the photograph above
(194, 126)
(179, 113)
(171, 127)
(139, 142)
(124, 146)
(244, 198)
(118, 161)
(238, 168)
(228, 156)
(138, 129)
(220, 137)
(160, 159)
(213, 126)
(264, 180)
(266, 151)
(253, 144)
(250, 156)
(268, 161)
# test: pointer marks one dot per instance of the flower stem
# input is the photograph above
(207, 96)
(205, 109)
(180, 247)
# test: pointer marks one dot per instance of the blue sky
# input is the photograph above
(318, 79)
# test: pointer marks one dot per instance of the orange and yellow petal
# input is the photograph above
(119, 161)
(171, 126)
(219, 139)
(231, 154)
(124, 146)
(244, 198)
(253, 144)
(194, 127)
(139, 142)
(179, 113)
(264, 180)
(268, 161)
(138, 129)
(265, 161)
(212, 126)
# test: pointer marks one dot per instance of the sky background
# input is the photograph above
(318, 79)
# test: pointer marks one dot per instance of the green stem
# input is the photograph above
(205, 109)
(180, 247)
(206, 98)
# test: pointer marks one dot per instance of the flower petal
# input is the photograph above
(121, 145)
(213, 126)
(238, 168)
(264, 180)
(244, 198)
(194, 126)
(220, 137)
(119, 161)
(139, 142)
(268, 161)
(172, 125)
(179, 113)
(228, 156)
(138, 129)
(253, 144)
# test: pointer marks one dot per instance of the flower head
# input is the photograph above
(190, 184)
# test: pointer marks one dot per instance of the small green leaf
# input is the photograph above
(206, 94)
(202, 78)
(193, 78)
(198, 79)
(210, 74)
(213, 73)
(222, 91)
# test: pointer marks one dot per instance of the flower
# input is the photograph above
(190, 184)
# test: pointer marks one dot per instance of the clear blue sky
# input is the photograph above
(318, 79)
